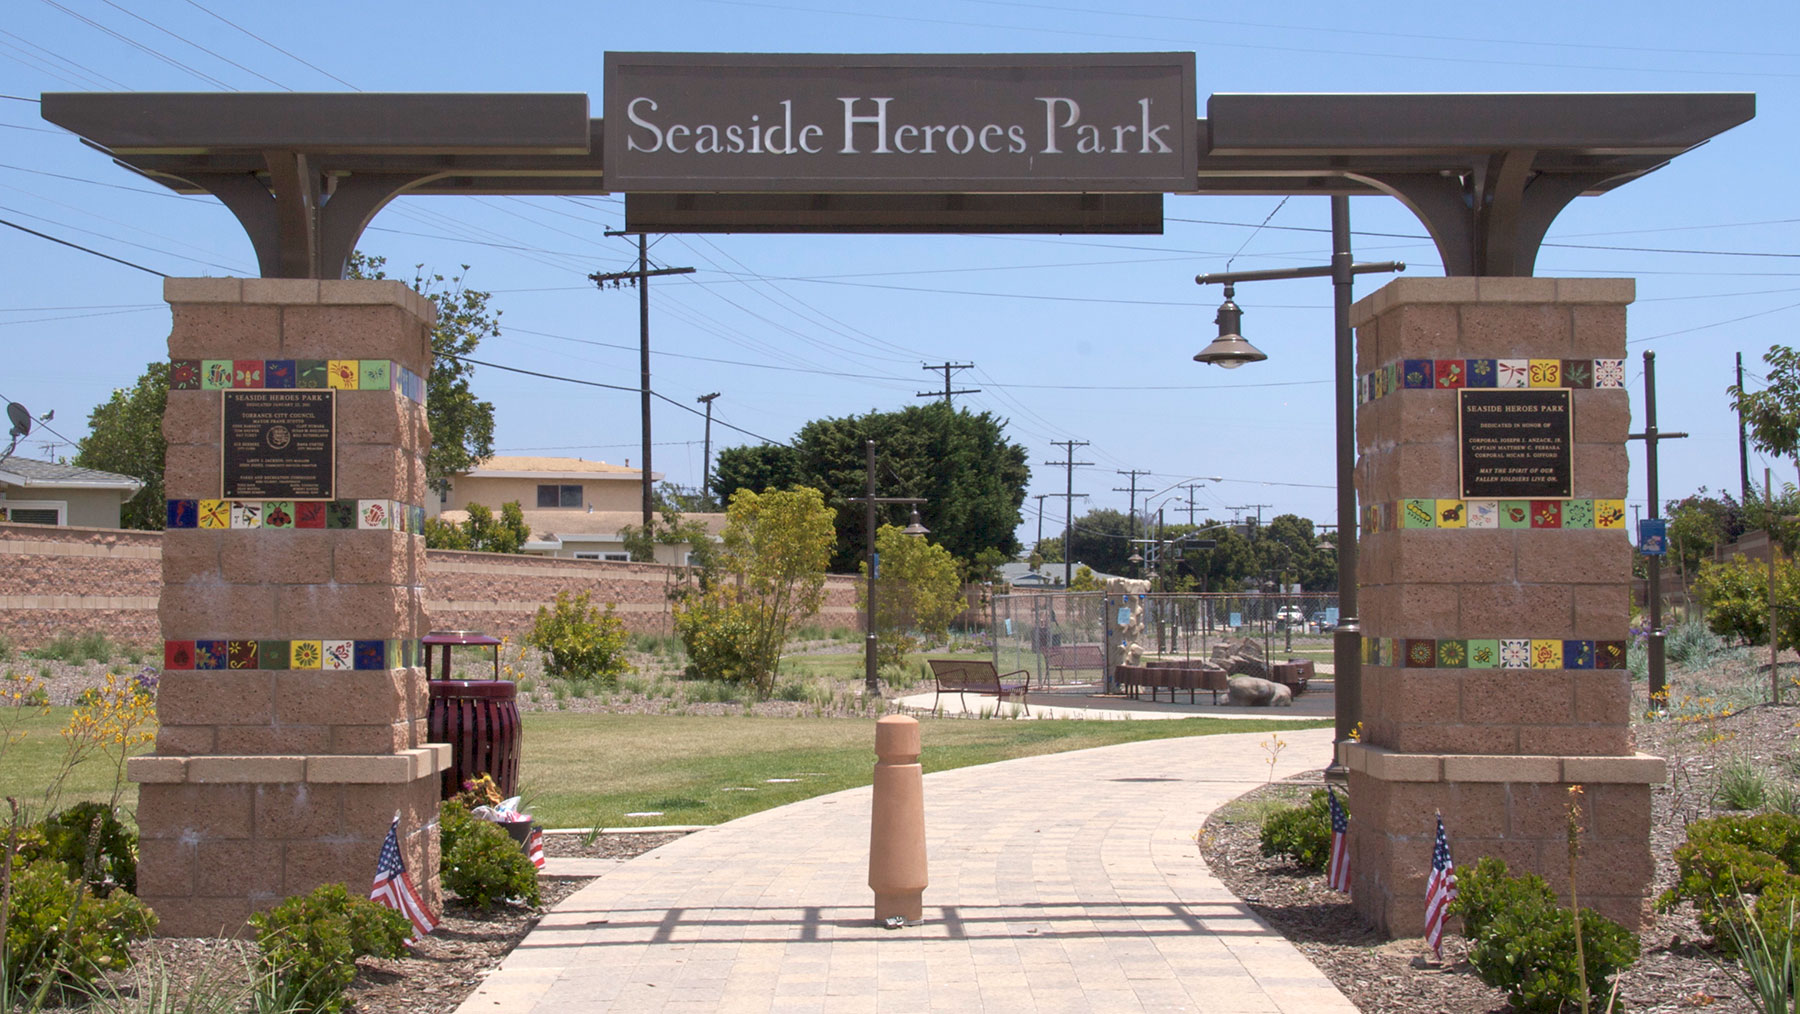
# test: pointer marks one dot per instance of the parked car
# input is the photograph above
(1321, 622)
(1288, 616)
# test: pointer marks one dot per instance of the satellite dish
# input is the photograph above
(21, 419)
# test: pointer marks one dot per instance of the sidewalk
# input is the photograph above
(1069, 882)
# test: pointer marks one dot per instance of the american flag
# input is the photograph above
(534, 847)
(394, 888)
(1337, 875)
(1440, 890)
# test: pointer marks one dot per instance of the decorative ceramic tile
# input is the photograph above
(215, 514)
(306, 654)
(1578, 514)
(1515, 654)
(1513, 373)
(1481, 373)
(1546, 654)
(1452, 514)
(411, 384)
(1578, 373)
(211, 655)
(1390, 377)
(391, 654)
(1484, 514)
(374, 375)
(1450, 374)
(1418, 513)
(184, 375)
(1453, 654)
(373, 514)
(247, 373)
(1416, 373)
(183, 514)
(1609, 514)
(409, 653)
(278, 514)
(246, 513)
(418, 519)
(1421, 653)
(1484, 654)
(178, 654)
(1578, 655)
(311, 373)
(215, 374)
(279, 373)
(243, 654)
(1515, 514)
(340, 514)
(1546, 513)
(344, 374)
(309, 513)
(1546, 373)
(1609, 654)
(339, 655)
(1609, 373)
(370, 655)
(273, 655)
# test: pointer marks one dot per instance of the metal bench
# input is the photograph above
(1075, 657)
(978, 676)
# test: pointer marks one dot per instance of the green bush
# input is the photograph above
(1731, 856)
(1736, 596)
(453, 822)
(1301, 833)
(59, 932)
(310, 942)
(93, 646)
(578, 640)
(1691, 644)
(723, 638)
(1741, 784)
(486, 867)
(64, 838)
(1524, 943)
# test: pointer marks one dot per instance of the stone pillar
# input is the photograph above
(293, 701)
(1494, 630)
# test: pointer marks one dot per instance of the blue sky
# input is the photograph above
(1078, 338)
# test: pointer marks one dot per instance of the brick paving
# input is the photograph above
(1069, 882)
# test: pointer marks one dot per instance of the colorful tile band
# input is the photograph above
(321, 374)
(1450, 374)
(1440, 513)
(1492, 653)
(324, 653)
(294, 514)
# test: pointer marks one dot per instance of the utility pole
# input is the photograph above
(1190, 487)
(873, 561)
(641, 279)
(1040, 499)
(1131, 515)
(1659, 688)
(947, 367)
(1068, 500)
(1743, 442)
(706, 448)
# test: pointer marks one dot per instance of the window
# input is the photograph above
(34, 512)
(587, 556)
(619, 557)
(553, 495)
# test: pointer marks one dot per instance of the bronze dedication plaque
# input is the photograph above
(1515, 443)
(278, 445)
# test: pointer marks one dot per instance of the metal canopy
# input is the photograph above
(304, 173)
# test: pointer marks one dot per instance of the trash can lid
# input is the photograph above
(459, 637)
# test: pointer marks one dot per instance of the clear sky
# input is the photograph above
(1079, 338)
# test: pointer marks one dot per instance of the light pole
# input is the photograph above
(1230, 350)
(706, 448)
(873, 561)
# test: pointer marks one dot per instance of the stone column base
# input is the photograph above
(1513, 808)
(221, 837)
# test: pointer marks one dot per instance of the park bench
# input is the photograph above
(977, 676)
(1075, 657)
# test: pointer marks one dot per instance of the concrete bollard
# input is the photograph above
(897, 822)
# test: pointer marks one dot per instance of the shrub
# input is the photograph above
(1301, 833)
(453, 822)
(59, 932)
(1736, 594)
(487, 867)
(1690, 643)
(93, 646)
(723, 638)
(1524, 943)
(65, 836)
(1727, 857)
(1763, 939)
(310, 942)
(578, 640)
(1741, 784)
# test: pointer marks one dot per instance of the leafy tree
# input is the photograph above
(481, 532)
(686, 499)
(1698, 523)
(1773, 413)
(125, 436)
(767, 466)
(1288, 551)
(916, 592)
(462, 426)
(1084, 580)
(641, 540)
(1101, 538)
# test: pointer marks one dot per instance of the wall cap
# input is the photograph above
(1393, 766)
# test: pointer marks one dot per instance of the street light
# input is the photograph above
(869, 501)
(1230, 350)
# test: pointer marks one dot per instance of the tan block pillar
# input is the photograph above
(293, 700)
(1494, 630)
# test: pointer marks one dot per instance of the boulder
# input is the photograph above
(1248, 691)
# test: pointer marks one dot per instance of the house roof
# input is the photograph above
(518, 467)
(572, 525)
(30, 473)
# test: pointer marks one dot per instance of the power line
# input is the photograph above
(271, 45)
(83, 249)
(1068, 496)
(947, 367)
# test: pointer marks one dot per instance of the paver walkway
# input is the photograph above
(1069, 882)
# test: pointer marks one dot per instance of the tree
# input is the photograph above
(1084, 580)
(125, 436)
(917, 592)
(1102, 539)
(641, 540)
(1697, 524)
(768, 466)
(481, 532)
(1773, 413)
(462, 426)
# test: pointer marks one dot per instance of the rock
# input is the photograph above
(1244, 665)
(1248, 691)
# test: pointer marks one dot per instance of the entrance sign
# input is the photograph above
(1515, 444)
(987, 123)
(279, 445)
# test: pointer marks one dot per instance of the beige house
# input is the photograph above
(46, 493)
(575, 509)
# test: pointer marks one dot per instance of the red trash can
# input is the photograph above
(480, 721)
